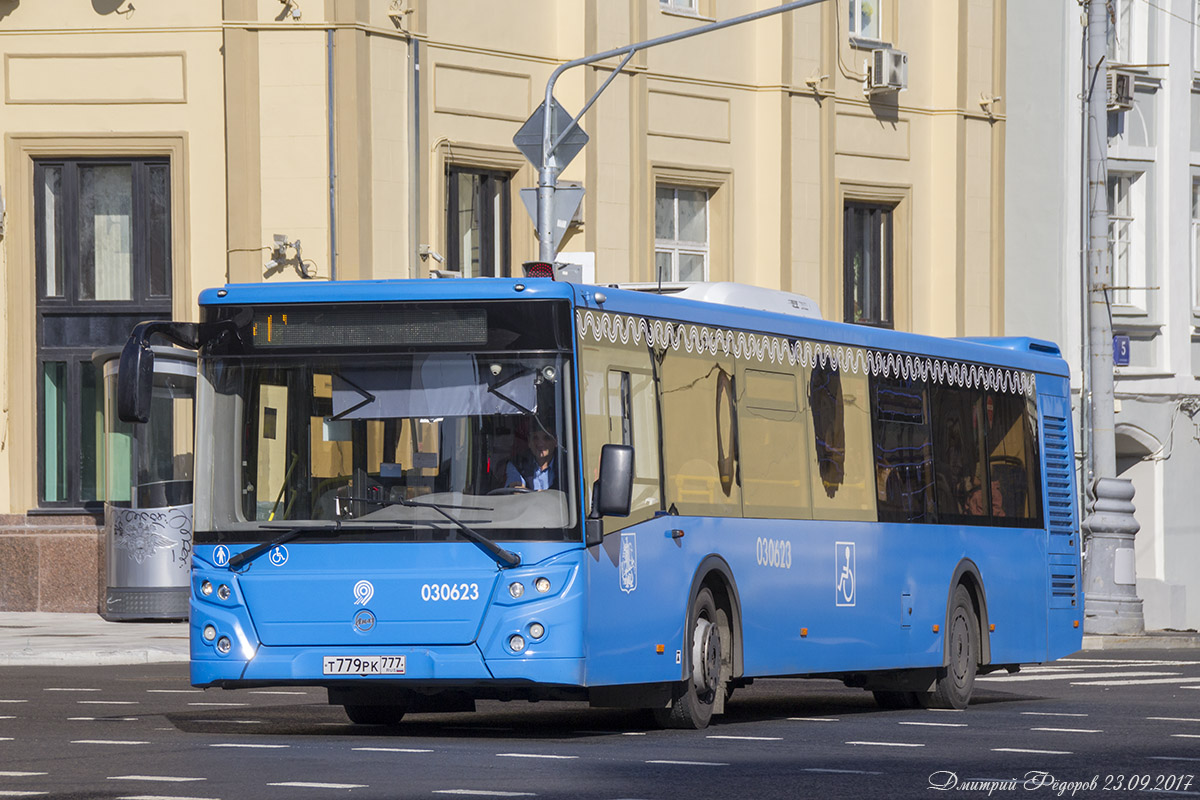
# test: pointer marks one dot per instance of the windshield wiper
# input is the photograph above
(505, 558)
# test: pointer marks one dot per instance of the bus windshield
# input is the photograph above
(347, 437)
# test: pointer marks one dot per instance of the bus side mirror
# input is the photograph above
(615, 495)
(135, 380)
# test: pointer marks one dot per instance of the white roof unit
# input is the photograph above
(728, 293)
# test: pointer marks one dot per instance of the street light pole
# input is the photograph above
(548, 170)
(1109, 571)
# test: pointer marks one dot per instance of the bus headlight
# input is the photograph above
(516, 642)
(516, 590)
(206, 588)
(210, 633)
(223, 591)
(537, 630)
(542, 585)
(224, 645)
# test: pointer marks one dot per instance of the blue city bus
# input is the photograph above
(422, 493)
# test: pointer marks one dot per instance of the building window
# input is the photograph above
(477, 222)
(1126, 240)
(868, 263)
(680, 6)
(681, 233)
(1196, 239)
(865, 19)
(103, 254)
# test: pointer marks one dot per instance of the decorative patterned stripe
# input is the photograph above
(691, 338)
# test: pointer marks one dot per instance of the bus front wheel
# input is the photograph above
(955, 681)
(692, 701)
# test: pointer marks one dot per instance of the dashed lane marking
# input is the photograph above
(689, 763)
(227, 705)
(252, 746)
(484, 793)
(1143, 682)
(107, 741)
(175, 691)
(67, 689)
(1034, 752)
(813, 719)
(938, 724)
(1050, 714)
(16, 793)
(1069, 676)
(1175, 719)
(162, 778)
(534, 755)
(265, 691)
(11, 774)
(749, 738)
(841, 771)
(162, 797)
(102, 719)
(1173, 758)
(309, 785)
(390, 750)
(1186, 735)
(14, 701)
(107, 702)
(1068, 730)
(887, 744)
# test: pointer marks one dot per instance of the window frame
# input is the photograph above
(1131, 269)
(884, 237)
(496, 254)
(853, 21)
(677, 247)
(69, 304)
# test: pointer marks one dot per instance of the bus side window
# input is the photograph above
(1013, 457)
(772, 438)
(903, 450)
(841, 468)
(632, 421)
(960, 472)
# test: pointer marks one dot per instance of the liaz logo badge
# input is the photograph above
(627, 566)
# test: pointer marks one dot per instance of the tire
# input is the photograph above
(692, 701)
(893, 700)
(954, 683)
(374, 715)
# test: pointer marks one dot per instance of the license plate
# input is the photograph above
(363, 665)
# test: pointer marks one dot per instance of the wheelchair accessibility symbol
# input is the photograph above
(278, 555)
(844, 573)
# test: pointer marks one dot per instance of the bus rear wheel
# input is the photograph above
(956, 680)
(692, 702)
(374, 715)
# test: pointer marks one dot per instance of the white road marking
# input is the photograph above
(1144, 682)
(634, 733)
(106, 741)
(14, 701)
(1035, 752)
(888, 744)
(1066, 676)
(689, 763)
(841, 771)
(102, 719)
(1173, 758)
(938, 724)
(6, 716)
(67, 689)
(107, 702)
(21, 774)
(304, 785)
(252, 746)
(1068, 730)
(1051, 714)
(1175, 719)
(390, 750)
(15, 793)
(264, 691)
(484, 793)
(163, 778)
(533, 755)
(1186, 735)
(813, 719)
(175, 691)
(6, 738)
(231, 721)
(1116, 662)
(749, 738)
(235, 705)
(162, 797)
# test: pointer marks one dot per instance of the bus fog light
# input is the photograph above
(516, 642)
(537, 630)
(210, 633)
(224, 645)
(223, 591)
(516, 589)
(205, 588)
(542, 585)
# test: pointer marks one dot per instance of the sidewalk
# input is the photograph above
(41, 639)
(73, 640)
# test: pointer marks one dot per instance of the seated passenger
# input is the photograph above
(535, 470)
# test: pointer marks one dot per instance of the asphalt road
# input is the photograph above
(1117, 722)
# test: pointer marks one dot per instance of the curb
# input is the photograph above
(1151, 640)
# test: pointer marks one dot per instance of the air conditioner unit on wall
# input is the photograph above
(887, 71)
(1120, 90)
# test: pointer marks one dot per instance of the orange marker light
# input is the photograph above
(1076, 625)
(660, 649)
(803, 632)
(937, 628)
(991, 628)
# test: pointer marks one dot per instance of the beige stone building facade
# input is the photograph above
(155, 149)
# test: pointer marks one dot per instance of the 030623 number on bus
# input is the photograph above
(433, 592)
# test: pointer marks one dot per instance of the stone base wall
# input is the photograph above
(51, 563)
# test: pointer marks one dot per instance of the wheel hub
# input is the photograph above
(706, 657)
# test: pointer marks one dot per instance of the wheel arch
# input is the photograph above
(715, 573)
(967, 574)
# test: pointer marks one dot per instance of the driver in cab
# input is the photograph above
(535, 470)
